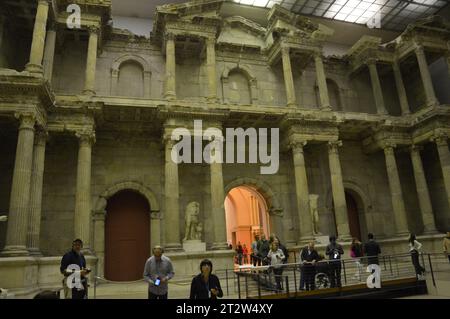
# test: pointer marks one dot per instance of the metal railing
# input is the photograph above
(257, 282)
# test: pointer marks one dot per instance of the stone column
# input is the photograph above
(400, 88)
(147, 84)
(288, 79)
(38, 42)
(82, 218)
(337, 186)
(426, 76)
(302, 192)
(444, 157)
(16, 234)
(376, 86)
(395, 187)
(170, 83)
(422, 191)
(322, 82)
(91, 62)
(37, 178)
(155, 229)
(2, 30)
(172, 208)
(217, 204)
(50, 42)
(211, 67)
(99, 240)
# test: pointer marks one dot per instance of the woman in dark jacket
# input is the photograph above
(206, 285)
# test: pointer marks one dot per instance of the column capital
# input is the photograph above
(52, 26)
(370, 61)
(40, 137)
(419, 49)
(210, 41)
(440, 139)
(414, 148)
(389, 147)
(297, 146)
(93, 29)
(27, 120)
(155, 215)
(86, 137)
(44, 2)
(169, 36)
(333, 146)
(285, 50)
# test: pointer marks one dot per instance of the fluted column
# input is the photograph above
(171, 189)
(322, 82)
(170, 83)
(211, 67)
(288, 79)
(49, 54)
(337, 186)
(422, 191)
(218, 198)
(38, 42)
(82, 218)
(302, 193)
(91, 62)
(37, 178)
(395, 187)
(444, 157)
(376, 86)
(426, 76)
(17, 229)
(403, 98)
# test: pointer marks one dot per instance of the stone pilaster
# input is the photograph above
(171, 197)
(82, 218)
(99, 240)
(288, 78)
(322, 82)
(337, 186)
(37, 178)
(395, 187)
(17, 229)
(155, 229)
(170, 81)
(422, 191)
(302, 192)
(444, 157)
(217, 201)
(426, 76)
(211, 68)
(91, 62)
(376, 86)
(38, 42)
(403, 98)
(49, 54)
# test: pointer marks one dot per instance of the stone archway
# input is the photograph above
(266, 201)
(100, 216)
(115, 68)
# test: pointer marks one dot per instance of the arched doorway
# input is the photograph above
(127, 236)
(247, 214)
(353, 215)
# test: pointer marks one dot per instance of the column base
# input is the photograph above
(291, 105)
(35, 252)
(326, 108)
(14, 251)
(89, 92)
(219, 246)
(173, 247)
(211, 99)
(430, 232)
(87, 251)
(304, 240)
(35, 69)
(402, 234)
(170, 96)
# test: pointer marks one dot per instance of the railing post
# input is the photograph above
(226, 278)
(287, 286)
(246, 286)
(345, 273)
(95, 286)
(239, 285)
(295, 280)
(431, 270)
(259, 286)
(390, 265)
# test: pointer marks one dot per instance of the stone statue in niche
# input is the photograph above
(192, 226)
(313, 203)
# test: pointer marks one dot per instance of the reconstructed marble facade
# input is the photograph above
(86, 113)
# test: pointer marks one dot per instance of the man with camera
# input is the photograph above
(73, 267)
(157, 272)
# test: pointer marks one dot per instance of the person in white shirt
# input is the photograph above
(414, 250)
(276, 257)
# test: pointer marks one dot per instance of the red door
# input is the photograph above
(353, 217)
(127, 236)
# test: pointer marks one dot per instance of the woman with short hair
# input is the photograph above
(206, 285)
